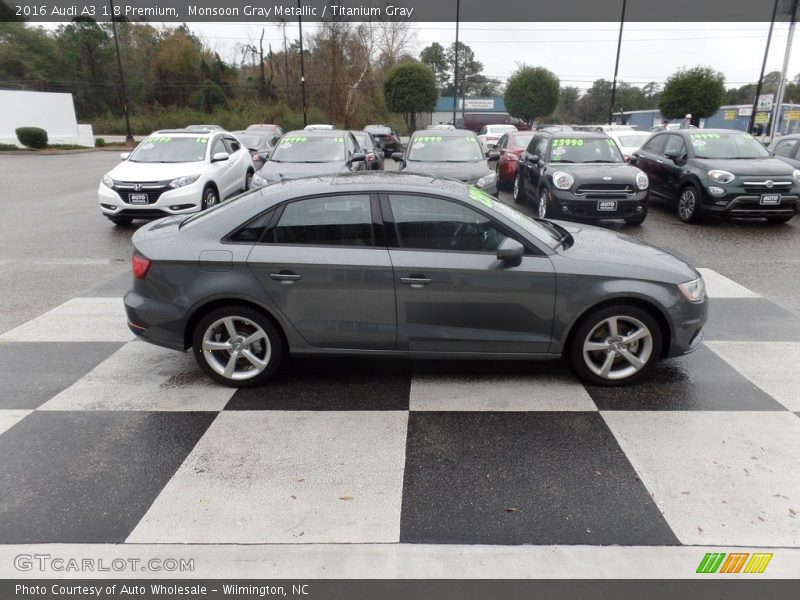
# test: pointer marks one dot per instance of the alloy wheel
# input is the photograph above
(210, 198)
(687, 203)
(543, 204)
(516, 191)
(236, 348)
(617, 347)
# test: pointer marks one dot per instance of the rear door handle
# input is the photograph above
(416, 280)
(285, 276)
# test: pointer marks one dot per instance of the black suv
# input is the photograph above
(580, 174)
(387, 138)
(719, 171)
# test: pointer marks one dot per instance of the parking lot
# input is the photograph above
(109, 440)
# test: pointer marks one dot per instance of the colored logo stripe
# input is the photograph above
(713, 562)
(758, 563)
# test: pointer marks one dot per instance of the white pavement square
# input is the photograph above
(286, 477)
(499, 393)
(140, 376)
(78, 320)
(719, 478)
(9, 418)
(719, 286)
(772, 366)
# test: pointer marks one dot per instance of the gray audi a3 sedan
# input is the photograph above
(405, 265)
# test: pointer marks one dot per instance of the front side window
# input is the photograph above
(656, 144)
(676, 145)
(427, 223)
(786, 148)
(168, 149)
(326, 221)
(218, 146)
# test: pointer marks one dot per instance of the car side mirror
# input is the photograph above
(263, 155)
(125, 156)
(494, 155)
(511, 252)
(275, 139)
(533, 159)
(220, 156)
(672, 155)
(358, 157)
(397, 156)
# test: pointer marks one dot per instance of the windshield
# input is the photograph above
(378, 130)
(494, 129)
(251, 141)
(636, 139)
(309, 148)
(584, 150)
(167, 149)
(445, 148)
(727, 145)
(540, 230)
(361, 137)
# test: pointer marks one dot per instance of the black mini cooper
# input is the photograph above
(575, 174)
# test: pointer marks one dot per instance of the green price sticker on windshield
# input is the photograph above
(704, 136)
(567, 142)
(479, 195)
(429, 138)
(157, 140)
(298, 139)
(201, 140)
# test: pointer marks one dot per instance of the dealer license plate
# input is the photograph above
(607, 205)
(137, 198)
(770, 199)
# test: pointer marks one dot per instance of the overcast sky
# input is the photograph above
(578, 53)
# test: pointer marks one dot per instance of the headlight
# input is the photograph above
(563, 181)
(486, 180)
(718, 176)
(182, 181)
(642, 182)
(258, 181)
(108, 182)
(796, 175)
(695, 291)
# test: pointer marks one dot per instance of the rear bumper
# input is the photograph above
(157, 322)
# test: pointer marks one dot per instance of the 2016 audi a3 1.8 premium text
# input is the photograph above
(405, 265)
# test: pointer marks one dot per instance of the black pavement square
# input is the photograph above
(523, 478)
(345, 383)
(33, 372)
(698, 381)
(750, 320)
(88, 477)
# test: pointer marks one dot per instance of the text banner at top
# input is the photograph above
(274, 11)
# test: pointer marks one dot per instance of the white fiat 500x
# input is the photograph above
(174, 172)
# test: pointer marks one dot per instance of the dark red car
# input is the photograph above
(510, 146)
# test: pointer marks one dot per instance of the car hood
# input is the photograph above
(464, 171)
(583, 172)
(771, 167)
(135, 171)
(277, 171)
(605, 252)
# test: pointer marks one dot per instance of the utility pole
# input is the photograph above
(763, 68)
(616, 65)
(455, 73)
(123, 91)
(302, 64)
(777, 113)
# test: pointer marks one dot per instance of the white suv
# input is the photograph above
(489, 135)
(174, 172)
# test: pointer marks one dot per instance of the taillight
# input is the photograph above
(140, 266)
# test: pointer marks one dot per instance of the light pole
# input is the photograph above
(455, 73)
(123, 91)
(302, 64)
(616, 65)
(777, 113)
(763, 68)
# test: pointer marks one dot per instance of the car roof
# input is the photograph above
(446, 132)
(574, 134)
(697, 131)
(316, 132)
(187, 132)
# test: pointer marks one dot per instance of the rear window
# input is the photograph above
(378, 130)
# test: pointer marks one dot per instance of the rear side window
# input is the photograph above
(252, 231)
(326, 221)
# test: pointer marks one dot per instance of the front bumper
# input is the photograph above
(687, 321)
(162, 202)
(588, 206)
(743, 204)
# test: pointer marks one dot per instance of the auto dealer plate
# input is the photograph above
(770, 199)
(137, 198)
(607, 205)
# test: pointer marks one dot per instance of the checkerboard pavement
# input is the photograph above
(106, 439)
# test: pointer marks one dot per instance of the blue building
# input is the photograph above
(443, 111)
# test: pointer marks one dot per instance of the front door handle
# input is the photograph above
(416, 280)
(659, 161)
(285, 276)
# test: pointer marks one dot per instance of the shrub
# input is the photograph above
(32, 137)
(7, 147)
(99, 143)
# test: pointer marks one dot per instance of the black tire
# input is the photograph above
(121, 221)
(247, 321)
(780, 219)
(544, 204)
(593, 328)
(518, 191)
(247, 179)
(638, 220)
(501, 185)
(689, 199)
(210, 197)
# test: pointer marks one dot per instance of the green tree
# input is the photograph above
(434, 56)
(568, 109)
(699, 91)
(531, 93)
(409, 89)
(470, 80)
